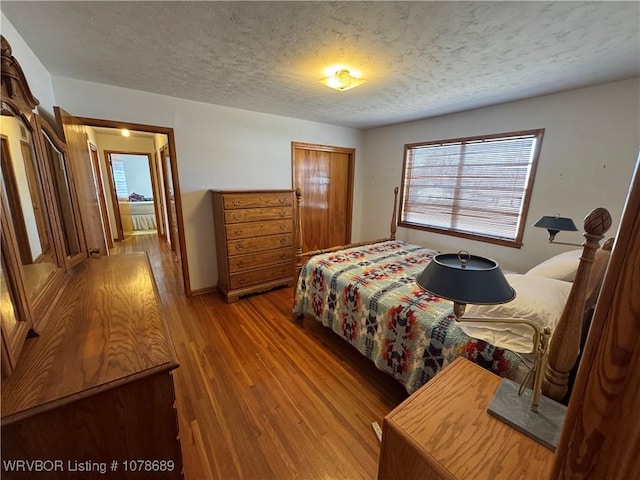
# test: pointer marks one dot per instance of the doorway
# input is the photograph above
(132, 191)
(325, 176)
(160, 195)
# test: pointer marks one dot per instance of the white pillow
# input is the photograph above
(538, 299)
(561, 267)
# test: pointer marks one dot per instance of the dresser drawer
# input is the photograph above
(268, 227)
(259, 244)
(260, 259)
(257, 214)
(258, 199)
(261, 275)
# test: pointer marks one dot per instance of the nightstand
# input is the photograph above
(443, 431)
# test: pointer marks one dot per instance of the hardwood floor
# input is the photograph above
(261, 396)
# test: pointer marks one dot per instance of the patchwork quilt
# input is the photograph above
(369, 297)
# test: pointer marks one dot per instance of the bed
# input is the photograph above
(143, 214)
(366, 293)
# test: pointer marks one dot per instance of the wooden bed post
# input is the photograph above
(564, 347)
(392, 236)
(298, 233)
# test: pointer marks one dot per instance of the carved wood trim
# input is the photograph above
(15, 89)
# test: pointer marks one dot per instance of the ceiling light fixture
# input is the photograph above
(342, 80)
(125, 132)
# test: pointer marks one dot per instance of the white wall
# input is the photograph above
(589, 150)
(217, 148)
(38, 77)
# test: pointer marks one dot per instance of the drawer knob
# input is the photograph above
(283, 240)
(240, 264)
(241, 282)
(281, 200)
(282, 214)
(282, 227)
(237, 216)
(238, 247)
(236, 202)
(238, 232)
(283, 256)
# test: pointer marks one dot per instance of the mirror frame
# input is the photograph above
(12, 342)
(69, 261)
(16, 99)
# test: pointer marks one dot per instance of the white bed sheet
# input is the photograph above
(143, 215)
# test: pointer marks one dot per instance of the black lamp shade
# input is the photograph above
(464, 278)
(556, 223)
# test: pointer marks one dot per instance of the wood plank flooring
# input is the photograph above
(261, 396)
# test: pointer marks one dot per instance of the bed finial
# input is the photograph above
(597, 222)
(564, 348)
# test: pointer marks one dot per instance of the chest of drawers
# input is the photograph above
(254, 240)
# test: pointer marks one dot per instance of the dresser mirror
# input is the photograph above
(41, 228)
(15, 317)
(54, 152)
(24, 196)
(7, 303)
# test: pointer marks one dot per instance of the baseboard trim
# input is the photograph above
(203, 291)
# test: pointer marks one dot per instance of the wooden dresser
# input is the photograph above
(443, 431)
(254, 240)
(94, 394)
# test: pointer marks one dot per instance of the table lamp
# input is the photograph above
(555, 224)
(463, 279)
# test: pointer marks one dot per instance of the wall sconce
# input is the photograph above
(342, 80)
(125, 133)
(555, 224)
(463, 279)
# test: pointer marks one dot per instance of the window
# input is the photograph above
(476, 187)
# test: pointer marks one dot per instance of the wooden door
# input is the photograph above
(102, 202)
(158, 202)
(119, 195)
(114, 197)
(170, 202)
(325, 176)
(75, 136)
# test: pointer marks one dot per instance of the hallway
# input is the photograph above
(260, 396)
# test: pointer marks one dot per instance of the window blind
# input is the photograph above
(477, 186)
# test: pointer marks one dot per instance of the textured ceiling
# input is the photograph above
(419, 58)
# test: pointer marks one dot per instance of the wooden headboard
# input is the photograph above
(567, 339)
(565, 344)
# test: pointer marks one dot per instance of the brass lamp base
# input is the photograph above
(543, 426)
